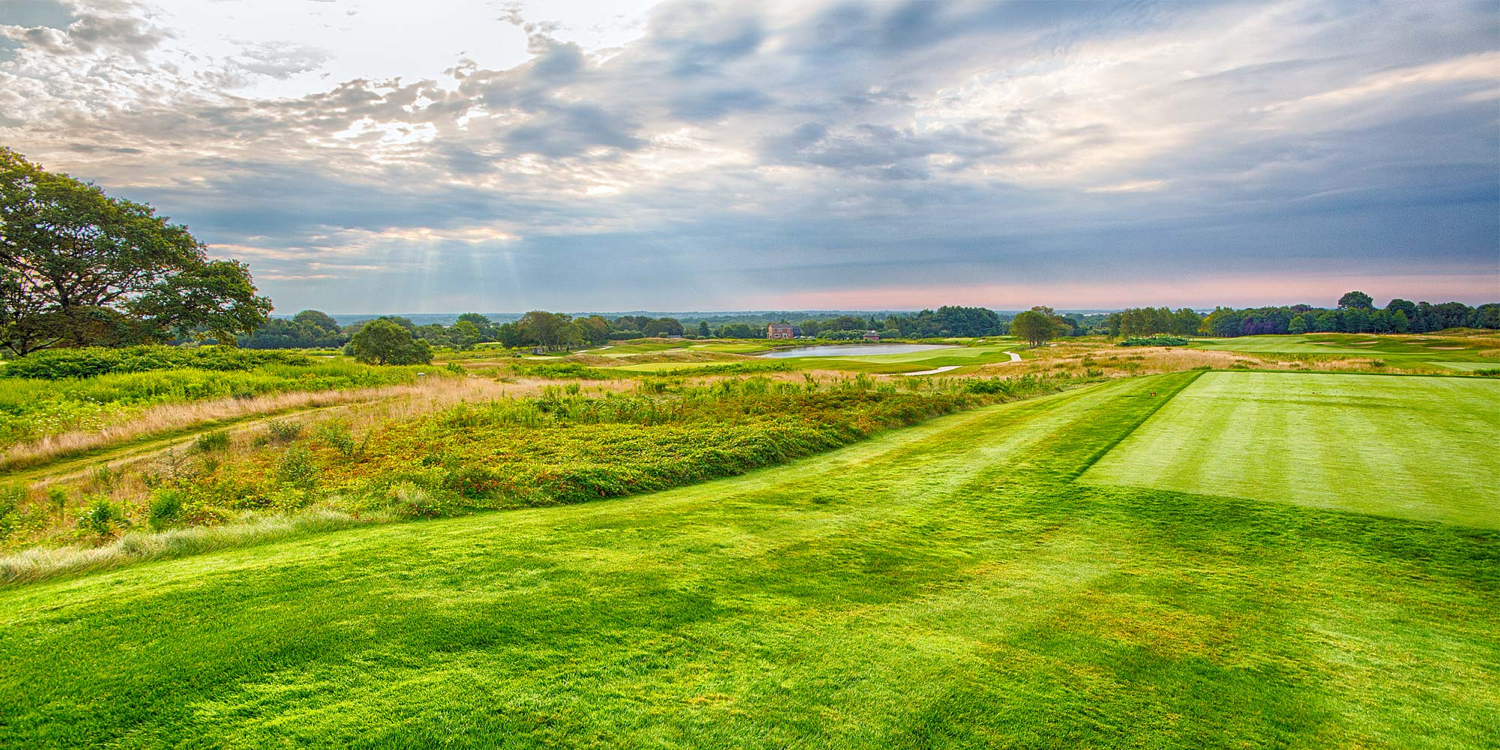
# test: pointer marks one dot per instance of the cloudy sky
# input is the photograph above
(389, 155)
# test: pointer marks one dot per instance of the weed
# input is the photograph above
(57, 497)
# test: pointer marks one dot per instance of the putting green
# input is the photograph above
(1410, 447)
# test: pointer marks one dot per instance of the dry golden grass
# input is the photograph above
(419, 398)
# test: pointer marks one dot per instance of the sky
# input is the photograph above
(441, 156)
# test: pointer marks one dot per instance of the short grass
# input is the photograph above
(1412, 447)
(943, 586)
(665, 366)
(966, 357)
(1453, 352)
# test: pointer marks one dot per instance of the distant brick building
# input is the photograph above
(871, 336)
(781, 331)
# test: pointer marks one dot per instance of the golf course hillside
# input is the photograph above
(1184, 560)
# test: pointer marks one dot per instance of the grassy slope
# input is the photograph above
(1411, 447)
(941, 586)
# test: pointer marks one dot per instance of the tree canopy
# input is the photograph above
(79, 268)
(385, 342)
(1038, 325)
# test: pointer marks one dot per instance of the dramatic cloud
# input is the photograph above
(363, 157)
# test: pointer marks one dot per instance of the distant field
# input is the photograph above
(1408, 447)
(668, 366)
(1453, 352)
(966, 358)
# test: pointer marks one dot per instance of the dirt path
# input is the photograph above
(421, 399)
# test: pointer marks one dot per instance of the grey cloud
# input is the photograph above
(91, 33)
(280, 59)
(850, 145)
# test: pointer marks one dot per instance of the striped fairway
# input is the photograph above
(1409, 447)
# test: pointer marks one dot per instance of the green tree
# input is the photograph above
(384, 342)
(464, 334)
(1356, 301)
(703, 331)
(542, 328)
(1037, 325)
(83, 269)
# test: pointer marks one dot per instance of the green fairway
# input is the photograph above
(1454, 352)
(948, 585)
(964, 357)
(1411, 447)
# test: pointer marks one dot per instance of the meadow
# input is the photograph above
(33, 408)
(949, 584)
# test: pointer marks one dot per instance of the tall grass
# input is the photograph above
(40, 563)
(33, 408)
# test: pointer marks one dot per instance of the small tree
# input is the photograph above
(1036, 326)
(383, 342)
(1356, 301)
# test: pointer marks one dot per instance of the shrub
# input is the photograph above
(103, 479)
(473, 482)
(57, 497)
(101, 518)
(409, 500)
(11, 498)
(165, 508)
(212, 441)
(57, 364)
(282, 431)
(296, 468)
(338, 436)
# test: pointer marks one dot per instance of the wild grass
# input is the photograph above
(32, 410)
(136, 546)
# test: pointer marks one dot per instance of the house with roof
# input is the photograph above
(781, 331)
(871, 336)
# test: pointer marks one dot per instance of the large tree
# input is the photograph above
(384, 342)
(1356, 301)
(79, 268)
(1038, 325)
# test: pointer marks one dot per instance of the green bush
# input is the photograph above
(409, 500)
(165, 508)
(56, 364)
(297, 469)
(101, 518)
(282, 431)
(210, 442)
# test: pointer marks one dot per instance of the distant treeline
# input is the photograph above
(311, 329)
(1356, 313)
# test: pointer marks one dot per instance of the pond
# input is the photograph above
(851, 350)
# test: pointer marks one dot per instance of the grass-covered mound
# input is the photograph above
(1155, 341)
(943, 586)
(565, 447)
(56, 364)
